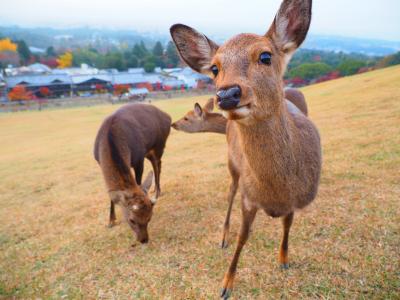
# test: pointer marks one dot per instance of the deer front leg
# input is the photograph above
(231, 197)
(112, 215)
(247, 220)
(283, 252)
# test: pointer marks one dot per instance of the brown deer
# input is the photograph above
(273, 149)
(131, 134)
(202, 119)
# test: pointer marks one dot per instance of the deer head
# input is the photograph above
(137, 207)
(201, 119)
(248, 69)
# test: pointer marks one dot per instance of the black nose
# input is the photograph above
(229, 98)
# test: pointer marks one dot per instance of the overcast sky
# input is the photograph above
(357, 18)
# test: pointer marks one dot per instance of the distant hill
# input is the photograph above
(351, 45)
(79, 37)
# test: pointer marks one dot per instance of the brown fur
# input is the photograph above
(202, 119)
(273, 148)
(125, 138)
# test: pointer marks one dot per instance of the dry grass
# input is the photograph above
(54, 242)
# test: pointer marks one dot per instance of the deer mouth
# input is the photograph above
(236, 113)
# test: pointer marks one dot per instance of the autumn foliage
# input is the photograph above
(44, 92)
(120, 89)
(18, 93)
(65, 60)
(7, 45)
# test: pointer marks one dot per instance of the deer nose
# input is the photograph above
(229, 98)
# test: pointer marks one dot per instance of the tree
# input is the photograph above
(50, 52)
(84, 56)
(350, 66)
(310, 71)
(131, 61)
(18, 93)
(65, 60)
(120, 89)
(115, 60)
(149, 66)
(23, 51)
(172, 55)
(7, 45)
(158, 50)
(390, 60)
(44, 92)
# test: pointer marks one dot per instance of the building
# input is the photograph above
(58, 85)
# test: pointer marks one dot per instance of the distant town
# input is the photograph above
(40, 64)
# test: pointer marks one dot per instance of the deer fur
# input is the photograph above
(131, 134)
(274, 149)
(202, 119)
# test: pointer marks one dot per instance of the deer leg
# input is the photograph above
(247, 220)
(231, 197)
(156, 164)
(112, 215)
(283, 252)
(139, 171)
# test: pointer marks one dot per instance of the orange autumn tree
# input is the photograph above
(19, 92)
(120, 89)
(65, 60)
(44, 91)
(7, 45)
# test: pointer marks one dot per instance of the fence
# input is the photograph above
(42, 104)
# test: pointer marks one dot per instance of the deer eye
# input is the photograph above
(186, 119)
(214, 70)
(265, 58)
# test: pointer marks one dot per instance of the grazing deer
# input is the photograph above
(202, 119)
(274, 150)
(132, 133)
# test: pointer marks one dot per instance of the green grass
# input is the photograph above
(53, 209)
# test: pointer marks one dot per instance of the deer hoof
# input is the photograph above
(226, 293)
(284, 266)
(224, 244)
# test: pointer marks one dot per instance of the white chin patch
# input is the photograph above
(243, 111)
(238, 113)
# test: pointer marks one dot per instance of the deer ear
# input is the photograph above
(195, 48)
(209, 106)
(291, 25)
(147, 182)
(198, 111)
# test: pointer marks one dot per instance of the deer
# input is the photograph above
(128, 136)
(273, 149)
(202, 119)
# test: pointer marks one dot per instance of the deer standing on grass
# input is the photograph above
(131, 134)
(274, 150)
(202, 119)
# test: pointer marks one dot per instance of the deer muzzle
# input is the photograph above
(229, 98)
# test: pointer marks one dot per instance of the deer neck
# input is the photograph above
(269, 147)
(215, 123)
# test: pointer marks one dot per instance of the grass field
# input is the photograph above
(54, 209)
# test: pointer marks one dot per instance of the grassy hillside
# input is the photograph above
(54, 209)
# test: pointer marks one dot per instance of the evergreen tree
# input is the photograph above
(23, 51)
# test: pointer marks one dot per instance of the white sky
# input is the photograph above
(357, 18)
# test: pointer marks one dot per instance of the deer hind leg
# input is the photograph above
(156, 164)
(231, 197)
(283, 252)
(112, 215)
(247, 220)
